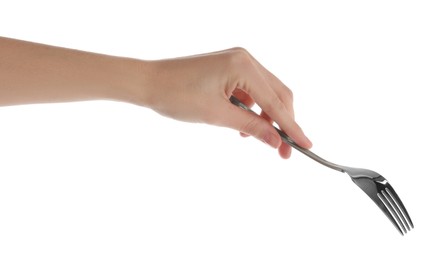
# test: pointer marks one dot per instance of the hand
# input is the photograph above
(195, 89)
(198, 88)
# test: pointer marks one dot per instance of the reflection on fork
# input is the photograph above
(372, 183)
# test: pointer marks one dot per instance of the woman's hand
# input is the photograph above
(198, 88)
(194, 89)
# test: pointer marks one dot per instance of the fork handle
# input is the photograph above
(291, 142)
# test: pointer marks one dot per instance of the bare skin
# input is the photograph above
(191, 89)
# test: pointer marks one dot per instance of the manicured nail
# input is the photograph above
(244, 135)
(307, 141)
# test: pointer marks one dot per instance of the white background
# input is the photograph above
(107, 180)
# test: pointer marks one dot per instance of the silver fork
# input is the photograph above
(372, 183)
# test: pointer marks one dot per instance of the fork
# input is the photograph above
(372, 183)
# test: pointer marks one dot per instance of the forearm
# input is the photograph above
(36, 73)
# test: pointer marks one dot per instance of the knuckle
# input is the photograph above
(274, 104)
(286, 94)
(287, 98)
(250, 126)
(238, 56)
(239, 50)
(289, 94)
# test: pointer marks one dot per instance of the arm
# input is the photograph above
(37, 73)
(194, 89)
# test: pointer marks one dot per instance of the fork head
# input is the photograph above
(382, 193)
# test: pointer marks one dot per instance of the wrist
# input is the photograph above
(126, 80)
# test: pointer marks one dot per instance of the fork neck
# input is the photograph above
(309, 153)
(319, 159)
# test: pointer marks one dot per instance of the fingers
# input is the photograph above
(274, 107)
(284, 93)
(262, 114)
(246, 100)
(243, 97)
(249, 124)
(285, 150)
(276, 101)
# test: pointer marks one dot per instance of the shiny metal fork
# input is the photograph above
(372, 183)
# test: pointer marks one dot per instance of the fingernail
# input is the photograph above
(244, 135)
(272, 140)
(307, 141)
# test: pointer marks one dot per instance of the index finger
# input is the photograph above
(270, 95)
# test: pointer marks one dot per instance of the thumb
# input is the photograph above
(249, 123)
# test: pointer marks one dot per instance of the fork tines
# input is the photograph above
(395, 209)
